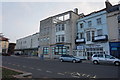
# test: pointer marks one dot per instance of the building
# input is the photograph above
(92, 34)
(57, 34)
(113, 22)
(28, 45)
(11, 48)
(96, 31)
(4, 43)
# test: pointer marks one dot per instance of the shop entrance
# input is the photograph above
(93, 50)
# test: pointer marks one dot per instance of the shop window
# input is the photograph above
(60, 50)
(45, 50)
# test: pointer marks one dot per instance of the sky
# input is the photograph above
(21, 18)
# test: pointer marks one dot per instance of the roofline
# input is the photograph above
(60, 14)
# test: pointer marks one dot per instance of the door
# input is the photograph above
(101, 58)
(109, 59)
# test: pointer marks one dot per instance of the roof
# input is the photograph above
(4, 39)
(95, 12)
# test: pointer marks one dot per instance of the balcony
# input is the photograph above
(80, 41)
(100, 38)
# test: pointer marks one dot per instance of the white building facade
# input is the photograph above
(28, 45)
(92, 35)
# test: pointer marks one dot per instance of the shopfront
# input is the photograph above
(115, 49)
(60, 49)
(93, 49)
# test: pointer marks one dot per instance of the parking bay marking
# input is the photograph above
(49, 71)
(39, 69)
(60, 73)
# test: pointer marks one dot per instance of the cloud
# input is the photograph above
(59, 1)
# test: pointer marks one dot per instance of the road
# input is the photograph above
(57, 69)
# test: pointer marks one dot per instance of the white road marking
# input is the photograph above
(60, 73)
(49, 71)
(83, 74)
(88, 75)
(76, 76)
(39, 69)
(94, 76)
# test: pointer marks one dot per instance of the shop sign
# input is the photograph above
(80, 47)
(59, 45)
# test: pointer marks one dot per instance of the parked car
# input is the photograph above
(69, 58)
(104, 58)
(5, 54)
(17, 54)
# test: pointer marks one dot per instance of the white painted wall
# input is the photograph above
(26, 42)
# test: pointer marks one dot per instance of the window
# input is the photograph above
(119, 19)
(56, 38)
(81, 25)
(88, 35)
(99, 32)
(60, 38)
(60, 27)
(63, 38)
(45, 50)
(93, 34)
(99, 21)
(89, 23)
(119, 33)
(101, 56)
(95, 56)
(107, 56)
(60, 50)
(81, 35)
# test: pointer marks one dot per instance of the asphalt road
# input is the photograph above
(57, 69)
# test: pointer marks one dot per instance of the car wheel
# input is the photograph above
(61, 60)
(74, 61)
(95, 62)
(117, 63)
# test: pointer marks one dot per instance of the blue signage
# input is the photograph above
(59, 45)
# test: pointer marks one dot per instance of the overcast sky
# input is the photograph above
(19, 19)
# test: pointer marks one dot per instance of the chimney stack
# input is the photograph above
(76, 10)
(108, 4)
